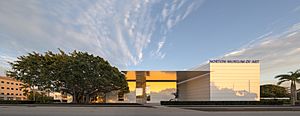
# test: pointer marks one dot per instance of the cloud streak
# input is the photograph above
(119, 31)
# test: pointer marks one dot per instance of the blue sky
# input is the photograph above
(156, 34)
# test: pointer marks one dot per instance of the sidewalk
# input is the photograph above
(77, 105)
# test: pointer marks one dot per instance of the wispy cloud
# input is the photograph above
(4, 63)
(278, 53)
(119, 31)
(171, 14)
(296, 9)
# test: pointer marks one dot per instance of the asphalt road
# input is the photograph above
(129, 111)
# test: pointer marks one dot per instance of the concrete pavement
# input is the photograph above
(128, 111)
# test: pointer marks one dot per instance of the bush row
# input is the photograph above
(16, 102)
(262, 102)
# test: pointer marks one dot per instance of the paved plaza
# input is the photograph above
(129, 111)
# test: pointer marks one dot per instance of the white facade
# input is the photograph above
(61, 97)
(234, 81)
(224, 82)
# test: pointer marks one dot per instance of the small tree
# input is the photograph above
(273, 91)
(293, 78)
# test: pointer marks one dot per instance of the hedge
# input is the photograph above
(262, 102)
(16, 102)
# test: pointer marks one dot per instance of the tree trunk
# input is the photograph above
(104, 98)
(34, 95)
(74, 96)
(87, 98)
(293, 93)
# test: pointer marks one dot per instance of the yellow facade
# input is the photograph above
(132, 86)
(161, 75)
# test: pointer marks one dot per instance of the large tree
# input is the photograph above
(80, 74)
(293, 78)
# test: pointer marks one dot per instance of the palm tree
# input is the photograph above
(293, 78)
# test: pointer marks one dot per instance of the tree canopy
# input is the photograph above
(273, 91)
(80, 74)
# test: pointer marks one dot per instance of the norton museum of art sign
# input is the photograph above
(233, 61)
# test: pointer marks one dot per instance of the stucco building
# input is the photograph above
(11, 89)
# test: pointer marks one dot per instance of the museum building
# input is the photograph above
(219, 80)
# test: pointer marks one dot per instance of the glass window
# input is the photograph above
(17, 89)
(139, 91)
(2, 87)
(7, 88)
(7, 82)
(2, 81)
(12, 83)
(17, 94)
(12, 88)
(7, 93)
(12, 94)
(2, 93)
(17, 84)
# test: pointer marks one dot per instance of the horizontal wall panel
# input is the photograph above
(234, 81)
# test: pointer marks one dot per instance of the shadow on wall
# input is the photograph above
(228, 94)
(163, 95)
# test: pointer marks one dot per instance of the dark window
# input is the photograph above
(7, 82)
(7, 88)
(2, 81)
(2, 87)
(17, 89)
(18, 98)
(17, 94)
(12, 88)
(12, 83)
(148, 97)
(17, 84)
(12, 93)
(2, 93)
(7, 93)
